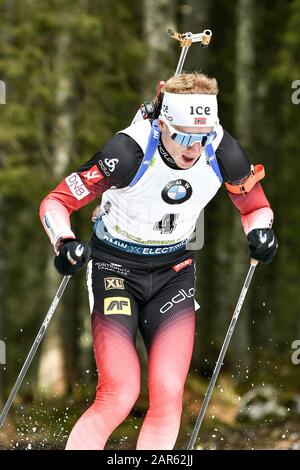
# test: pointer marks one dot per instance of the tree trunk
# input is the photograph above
(53, 365)
(6, 20)
(158, 17)
(243, 127)
(195, 18)
(2, 276)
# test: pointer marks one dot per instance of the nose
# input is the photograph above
(195, 149)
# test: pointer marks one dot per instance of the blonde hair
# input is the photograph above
(191, 83)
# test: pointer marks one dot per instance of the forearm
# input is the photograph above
(55, 219)
(254, 208)
(56, 208)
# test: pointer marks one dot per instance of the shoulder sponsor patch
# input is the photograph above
(92, 176)
(77, 188)
(182, 265)
(117, 306)
(111, 163)
(113, 283)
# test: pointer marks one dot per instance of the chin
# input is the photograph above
(184, 166)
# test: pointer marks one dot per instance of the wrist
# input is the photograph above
(60, 243)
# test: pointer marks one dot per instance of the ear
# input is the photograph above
(161, 125)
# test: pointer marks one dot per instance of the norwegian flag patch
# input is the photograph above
(92, 176)
(200, 120)
(182, 265)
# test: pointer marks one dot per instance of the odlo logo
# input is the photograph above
(182, 295)
(117, 306)
(111, 163)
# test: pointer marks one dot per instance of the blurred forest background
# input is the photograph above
(76, 72)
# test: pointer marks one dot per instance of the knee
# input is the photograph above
(168, 391)
(127, 392)
(126, 398)
(119, 394)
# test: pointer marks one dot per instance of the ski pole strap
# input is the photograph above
(256, 175)
(212, 160)
(149, 153)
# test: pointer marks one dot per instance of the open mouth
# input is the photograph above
(188, 159)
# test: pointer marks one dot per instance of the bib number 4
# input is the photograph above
(167, 224)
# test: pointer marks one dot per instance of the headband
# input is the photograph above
(189, 110)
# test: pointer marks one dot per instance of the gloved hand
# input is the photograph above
(263, 244)
(72, 256)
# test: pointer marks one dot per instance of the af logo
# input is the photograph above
(176, 192)
(117, 306)
(113, 283)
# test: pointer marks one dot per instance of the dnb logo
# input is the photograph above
(177, 192)
(117, 306)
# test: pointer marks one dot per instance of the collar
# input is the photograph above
(169, 161)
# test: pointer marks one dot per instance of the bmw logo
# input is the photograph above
(177, 192)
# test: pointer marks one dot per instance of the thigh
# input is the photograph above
(167, 324)
(114, 313)
(172, 307)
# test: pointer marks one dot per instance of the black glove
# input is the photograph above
(72, 256)
(263, 244)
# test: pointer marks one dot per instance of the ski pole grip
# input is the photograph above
(254, 262)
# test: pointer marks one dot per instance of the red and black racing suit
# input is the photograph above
(153, 294)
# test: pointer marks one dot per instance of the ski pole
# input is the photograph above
(34, 347)
(186, 40)
(253, 264)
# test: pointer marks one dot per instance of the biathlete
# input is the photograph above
(154, 177)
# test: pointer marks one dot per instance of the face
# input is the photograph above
(184, 157)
